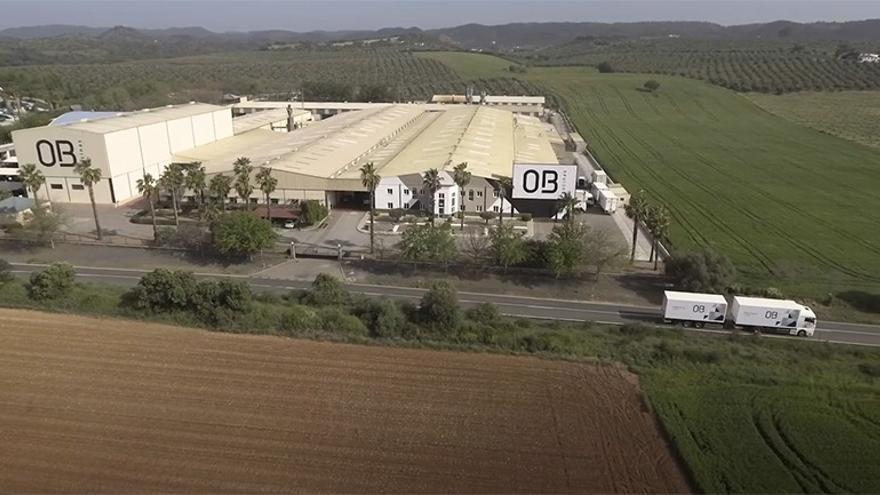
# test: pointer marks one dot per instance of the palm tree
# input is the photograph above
(657, 221)
(267, 184)
(148, 188)
(220, 186)
(462, 178)
(370, 179)
(32, 178)
(90, 176)
(431, 183)
(173, 180)
(503, 186)
(242, 169)
(636, 211)
(196, 181)
(568, 203)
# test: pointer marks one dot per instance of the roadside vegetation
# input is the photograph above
(747, 414)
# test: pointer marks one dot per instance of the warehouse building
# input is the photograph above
(317, 160)
(124, 146)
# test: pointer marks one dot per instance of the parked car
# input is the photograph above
(290, 224)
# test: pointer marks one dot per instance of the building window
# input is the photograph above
(406, 192)
(232, 200)
(479, 208)
(253, 201)
(75, 187)
(495, 209)
(390, 191)
(274, 201)
(390, 205)
(471, 194)
(479, 194)
(442, 196)
(494, 193)
(57, 186)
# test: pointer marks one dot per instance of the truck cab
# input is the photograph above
(806, 324)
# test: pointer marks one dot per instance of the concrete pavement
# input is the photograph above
(514, 306)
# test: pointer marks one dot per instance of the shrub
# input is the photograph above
(396, 214)
(652, 85)
(526, 217)
(298, 318)
(313, 211)
(605, 67)
(870, 369)
(164, 290)
(439, 307)
(338, 320)
(382, 317)
(5, 272)
(771, 292)
(241, 233)
(327, 290)
(704, 270)
(485, 313)
(55, 281)
(487, 216)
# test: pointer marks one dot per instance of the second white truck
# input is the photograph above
(759, 313)
(693, 308)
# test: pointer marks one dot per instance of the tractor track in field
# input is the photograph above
(652, 106)
(601, 100)
(626, 103)
(821, 477)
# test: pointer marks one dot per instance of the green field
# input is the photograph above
(788, 204)
(471, 65)
(854, 115)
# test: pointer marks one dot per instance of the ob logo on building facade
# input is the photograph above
(543, 181)
(59, 152)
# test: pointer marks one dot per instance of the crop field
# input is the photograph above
(853, 115)
(118, 406)
(748, 66)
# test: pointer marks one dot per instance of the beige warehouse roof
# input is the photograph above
(533, 140)
(144, 117)
(256, 120)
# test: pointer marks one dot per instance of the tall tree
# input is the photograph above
(90, 176)
(636, 211)
(267, 184)
(147, 187)
(173, 180)
(462, 178)
(504, 186)
(565, 250)
(220, 186)
(568, 203)
(508, 246)
(370, 179)
(658, 222)
(431, 183)
(242, 170)
(32, 178)
(196, 181)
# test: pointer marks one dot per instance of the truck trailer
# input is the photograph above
(693, 308)
(757, 313)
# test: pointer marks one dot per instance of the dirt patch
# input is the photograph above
(91, 405)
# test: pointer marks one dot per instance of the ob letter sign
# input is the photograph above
(543, 181)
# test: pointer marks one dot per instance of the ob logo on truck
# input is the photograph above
(59, 152)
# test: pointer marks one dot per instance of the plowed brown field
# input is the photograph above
(93, 405)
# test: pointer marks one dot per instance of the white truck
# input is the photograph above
(693, 308)
(758, 313)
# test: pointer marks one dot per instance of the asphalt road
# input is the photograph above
(514, 306)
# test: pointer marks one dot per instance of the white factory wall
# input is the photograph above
(222, 124)
(180, 135)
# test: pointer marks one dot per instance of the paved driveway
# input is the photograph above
(341, 228)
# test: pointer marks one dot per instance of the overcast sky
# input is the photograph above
(237, 15)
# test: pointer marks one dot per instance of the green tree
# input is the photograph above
(173, 181)
(90, 176)
(370, 179)
(504, 186)
(32, 179)
(652, 85)
(219, 187)
(603, 249)
(428, 242)
(431, 182)
(242, 234)
(568, 203)
(605, 67)
(267, 184)
(462, 178)
(636, 211)
(438, 308)
(566, 252)
(327, 290)
(701, 271)
(196, 181)
(312, 212)
(42, 226)
(242, 170)
(658, 222)
(508, 246)
(5, 272)
(147, 187)
(383, 317)
(52, 283)
(164, 290)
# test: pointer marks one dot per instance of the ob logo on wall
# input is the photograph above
(543, 181)
(58, 152)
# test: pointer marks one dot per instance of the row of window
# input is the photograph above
(479, 207)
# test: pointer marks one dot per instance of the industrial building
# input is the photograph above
(315, 152)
